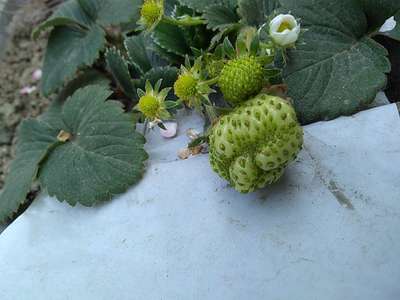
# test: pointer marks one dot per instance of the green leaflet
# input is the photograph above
(112, 12)
(203, 4)
(35, 140)
(137, 52)
(219, 16)
(69, 13)
(84, 78)
(168, 74)
(78, 36)
(255, 12)
(171, 38)
(119, 69)
(68, 50)
(104, 155)
(336, 68)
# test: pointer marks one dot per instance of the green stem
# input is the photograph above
(185, 21)
(211, 81)
(146, 123)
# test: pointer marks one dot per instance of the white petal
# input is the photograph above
(389, 25)
(288, 36)
(28, 90)
(172, 129)
(37, 74)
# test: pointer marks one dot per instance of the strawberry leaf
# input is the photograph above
(69, 13)
(112, 12)
(255, 12)
(119, 69)
(104, 155)
(171, 38)
(137, 52)
(201, 6)
(35, 138)
(336, 68)
(168, 75)
(219, 16)
(68, 50)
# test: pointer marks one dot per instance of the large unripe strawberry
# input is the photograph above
(252, 146)
(241, 78)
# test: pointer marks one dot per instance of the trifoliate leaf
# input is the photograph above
(219, 16)
(255, 12)
(336, 68)
(112, 12)
(35, 138)
(119, 69)
(171, 38)
(103, 155)
(137, 52)
(68, 50)
(69, 13)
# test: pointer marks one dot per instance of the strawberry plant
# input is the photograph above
(110, 65)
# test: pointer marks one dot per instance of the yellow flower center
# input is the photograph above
(284, 26)
(185, 87)
(149, 106)
(151, 11)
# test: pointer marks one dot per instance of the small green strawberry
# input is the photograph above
(240, 79)
(151, 13)
(152, 102)
(251, 146)
(191, 87)
(186, 86)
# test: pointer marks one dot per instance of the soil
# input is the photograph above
(22, 58)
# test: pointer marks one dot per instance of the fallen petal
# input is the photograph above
(37, 74)
(28, 90)
(172, 129)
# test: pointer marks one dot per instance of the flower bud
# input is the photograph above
(284, 30)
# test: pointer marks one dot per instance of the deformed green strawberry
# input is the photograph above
(251, 146)
(241, 78)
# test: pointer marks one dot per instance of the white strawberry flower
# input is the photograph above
(284, 30)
